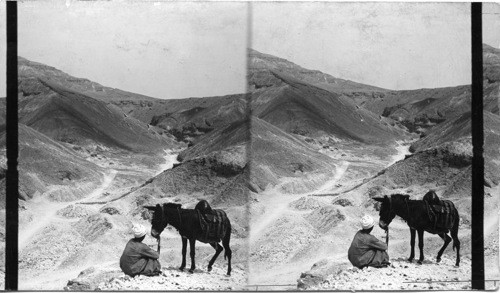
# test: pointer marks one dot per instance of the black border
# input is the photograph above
(12, 181)
(477, 217)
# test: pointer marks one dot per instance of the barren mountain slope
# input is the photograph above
(276, 154)
(301, 108)
(263, 66)
(44, 162)
(421, 109)
(491, 64)
(72, 117)
(190, 118)
(441, 160)
(30, 72)
(62, 112)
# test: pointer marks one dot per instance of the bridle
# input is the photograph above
(164, 219)
(405, 199)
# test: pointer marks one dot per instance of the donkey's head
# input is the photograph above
(158, 222)
(161, 217)
(387, 212)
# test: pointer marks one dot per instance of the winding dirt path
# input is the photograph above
(277, 203)
(170, 159)
(45, 211)
(402, 151)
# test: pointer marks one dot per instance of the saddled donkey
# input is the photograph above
(419, 217)
(189, 223)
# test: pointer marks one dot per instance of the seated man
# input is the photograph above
(366, 250)
(138, 258)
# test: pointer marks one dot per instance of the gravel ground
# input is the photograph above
(402, 275)
(173, 279)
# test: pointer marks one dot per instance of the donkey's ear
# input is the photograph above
(151, 208)
(379, 199)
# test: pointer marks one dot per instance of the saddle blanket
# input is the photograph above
(213, 225)
(443, 214)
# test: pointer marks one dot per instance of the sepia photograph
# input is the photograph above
(250, 146)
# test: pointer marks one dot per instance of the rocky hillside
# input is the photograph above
(263, 69)
(491, 64)
(62, 112)
(419, 109)
(44, 162)
(30, 74)
(296, 106)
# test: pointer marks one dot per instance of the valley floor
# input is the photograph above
(283, 241)
(47, 236)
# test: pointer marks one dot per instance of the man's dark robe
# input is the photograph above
(139, 259)
(367, 250)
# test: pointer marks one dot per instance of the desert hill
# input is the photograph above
(276, 155)
(64, 113)
(491, 75)
(189, 118)
(442, 161)
(491, 64)
(420, 110)
(74, 118)
(44, 162)
(30, 72)
(294, 103)
(273, 153)
(262, 69)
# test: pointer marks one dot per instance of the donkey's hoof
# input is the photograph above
(229, 274)
(181, 269)
(191, 271)
(209, 269)
(419, 262)
(438, 260)
(410, 260)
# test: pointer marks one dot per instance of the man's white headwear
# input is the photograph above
(139, 230)
(367, 222)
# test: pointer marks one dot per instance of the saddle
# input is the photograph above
(441, 214)
(212, 224)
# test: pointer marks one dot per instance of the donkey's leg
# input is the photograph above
(192, 242)
(412, 245)
(456, 243)
(227, 251)
(447, 240)
(184, 248)
(421, 246)
(218, 250)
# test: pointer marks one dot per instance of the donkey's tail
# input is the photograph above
(225, 241)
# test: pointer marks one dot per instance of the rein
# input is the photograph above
(180, 218)
(408, 209)
(387, 231)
